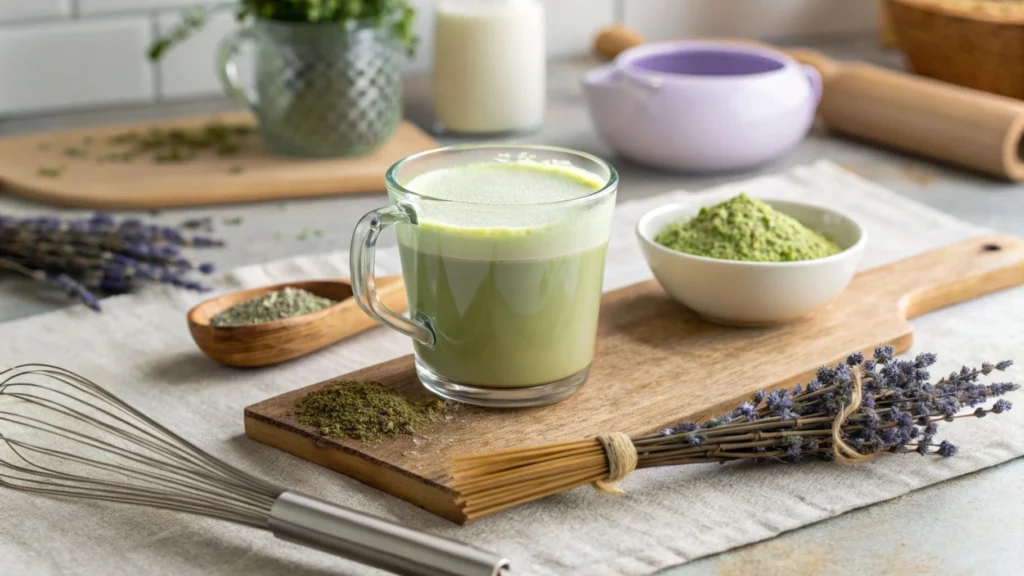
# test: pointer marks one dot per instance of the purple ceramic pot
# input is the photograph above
(702, 106)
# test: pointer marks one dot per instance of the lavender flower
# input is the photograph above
(826, 375)
(946, 449)
(78, 256)
(793, 451)
(780, 403)
(884, 354)
(905, 420)
(758, 397)
(1001, 405)
(745, 410)
(684, 427)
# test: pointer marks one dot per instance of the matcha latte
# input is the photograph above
(502, 249)
(512, 295)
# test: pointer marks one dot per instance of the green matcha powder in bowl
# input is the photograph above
(743, 228)
(750, 262)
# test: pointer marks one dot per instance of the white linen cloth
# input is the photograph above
(139, 347)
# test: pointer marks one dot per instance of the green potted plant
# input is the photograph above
(328, 72)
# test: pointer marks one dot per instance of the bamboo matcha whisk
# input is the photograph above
(62, 435)
(848, 413)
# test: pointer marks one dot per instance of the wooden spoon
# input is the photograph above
(281, 340)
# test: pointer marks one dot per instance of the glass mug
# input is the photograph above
(504, 291)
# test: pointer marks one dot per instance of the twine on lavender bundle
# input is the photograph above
(86, 256)
(848, 413)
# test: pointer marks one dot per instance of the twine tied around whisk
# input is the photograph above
(622, 460)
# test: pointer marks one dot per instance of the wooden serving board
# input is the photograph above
(254, 174)
(656, 363)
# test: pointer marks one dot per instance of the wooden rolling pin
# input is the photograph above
(961, 126)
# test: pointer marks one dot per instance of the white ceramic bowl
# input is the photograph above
(754, 293)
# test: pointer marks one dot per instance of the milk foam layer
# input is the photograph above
(506, 183)
(507, 211)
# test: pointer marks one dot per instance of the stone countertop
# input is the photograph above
(969, 525)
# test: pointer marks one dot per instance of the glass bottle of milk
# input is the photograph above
(489, 66)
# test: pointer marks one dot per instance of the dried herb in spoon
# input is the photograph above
(276, 305)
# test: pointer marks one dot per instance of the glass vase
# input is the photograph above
(320, 90)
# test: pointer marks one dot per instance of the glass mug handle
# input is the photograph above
(227, 69)
(364, 285)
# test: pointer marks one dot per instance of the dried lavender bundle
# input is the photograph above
(849, 412)
(80, 256)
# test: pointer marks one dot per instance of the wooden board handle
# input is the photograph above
(952, 274)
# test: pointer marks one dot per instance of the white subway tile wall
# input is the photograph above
(572, 24)
(74, 63)
(190, 70)
(13, 10)
(673, 19)
(57, 54)
(87, 7)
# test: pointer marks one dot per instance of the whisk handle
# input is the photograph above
(376, 542)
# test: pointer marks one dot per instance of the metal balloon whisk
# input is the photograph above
(65, 436)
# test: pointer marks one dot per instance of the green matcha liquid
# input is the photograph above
(513, 300)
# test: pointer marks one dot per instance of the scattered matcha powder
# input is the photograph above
(174, 145)
(74, 152)
(365, 411)
(233, 221)
(747, 229)
(48, 172)
(276, 305)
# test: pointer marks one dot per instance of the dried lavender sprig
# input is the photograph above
(111, 239)
(98, 252)
(789, 425)
(99, 229)
(61, 281)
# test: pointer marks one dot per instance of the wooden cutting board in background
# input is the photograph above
(254, 174)
(656, 363)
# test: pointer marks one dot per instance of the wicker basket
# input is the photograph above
(973, 43)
